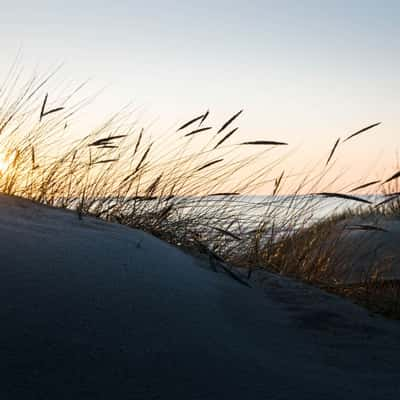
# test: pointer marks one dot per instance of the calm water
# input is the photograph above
(245, 213)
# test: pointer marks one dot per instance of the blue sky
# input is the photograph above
(304, 71)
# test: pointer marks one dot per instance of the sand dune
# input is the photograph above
(93, 310)
(371, 250)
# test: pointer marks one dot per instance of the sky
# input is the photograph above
(306, 72)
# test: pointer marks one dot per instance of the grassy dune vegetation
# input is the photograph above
(191, 189)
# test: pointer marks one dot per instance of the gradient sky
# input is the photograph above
(305, 72)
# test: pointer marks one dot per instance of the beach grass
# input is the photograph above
(191, 189)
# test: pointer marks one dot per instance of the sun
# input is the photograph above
(5, 162)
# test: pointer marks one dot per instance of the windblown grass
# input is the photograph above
(191, 189)
(119, 173)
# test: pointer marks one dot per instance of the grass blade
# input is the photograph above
(198, 131)
(43, 113)
(105, 141)
(228, 135)
(362, 130)
(143, 157)
(192, 121)
(204, 117)
(227, 233)
(227, 123)
(53, 111)
(104, 161)
(388, 200)
(209, 164)
(332, 151)
(138, 141)
(344, 196)
(33, 158)
(278, 183)
(43, 106)
(364, 186)
(265, 143)
(153, 186)
(132, 174)
(392, 194)
(224, 194)
(165, 212)
(394, 176)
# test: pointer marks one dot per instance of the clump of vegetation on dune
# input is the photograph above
(191, 188)
(344, 253)
(185, 188)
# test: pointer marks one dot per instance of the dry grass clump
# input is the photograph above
(191, 188)
(341, 254)
(329, 252)
(182, 188)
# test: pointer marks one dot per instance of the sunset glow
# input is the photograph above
(6, 161)
(304, 73)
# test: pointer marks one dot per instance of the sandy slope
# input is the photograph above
(91, 310)
(379, 248)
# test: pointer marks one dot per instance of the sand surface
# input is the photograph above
(93, 310)
(373, 250)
